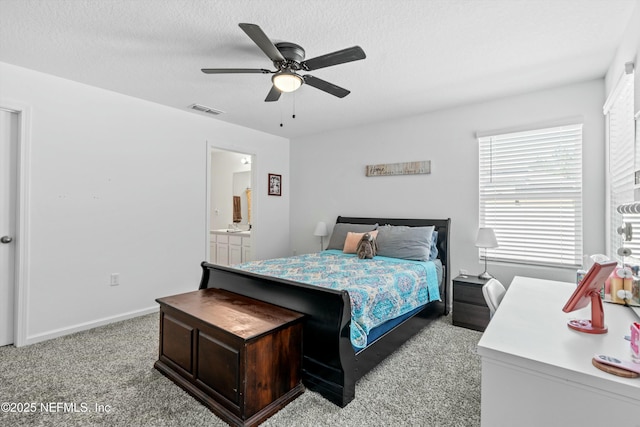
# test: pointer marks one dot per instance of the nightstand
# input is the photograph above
(469, 307)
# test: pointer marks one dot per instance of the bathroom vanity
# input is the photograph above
(229, 247)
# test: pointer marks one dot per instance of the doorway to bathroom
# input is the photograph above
(230, 206)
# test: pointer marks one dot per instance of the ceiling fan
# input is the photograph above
(288, 58)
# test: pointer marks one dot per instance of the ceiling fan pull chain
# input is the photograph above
(281, 124)
(294, 106)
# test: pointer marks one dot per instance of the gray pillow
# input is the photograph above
(404, 242)
(433, 254)
(340, 230)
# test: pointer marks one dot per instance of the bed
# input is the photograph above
(331, 362)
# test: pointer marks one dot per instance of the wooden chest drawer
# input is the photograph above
(241, 357)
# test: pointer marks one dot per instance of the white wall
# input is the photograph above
(118, 186)
(628, 51)
(328, 171)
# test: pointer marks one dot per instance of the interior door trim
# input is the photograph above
(23, 217)
(210, 147)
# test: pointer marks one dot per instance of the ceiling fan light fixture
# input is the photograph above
(286, 81)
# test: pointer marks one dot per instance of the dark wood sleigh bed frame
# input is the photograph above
(330, 364)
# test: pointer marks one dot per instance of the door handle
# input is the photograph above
(6, 239)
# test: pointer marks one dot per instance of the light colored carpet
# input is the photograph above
(432, 380)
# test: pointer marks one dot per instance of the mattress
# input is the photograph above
(380, 289)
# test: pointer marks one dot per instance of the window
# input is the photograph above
(620, 134)
(531, 195)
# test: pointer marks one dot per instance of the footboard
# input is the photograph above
(329, 359)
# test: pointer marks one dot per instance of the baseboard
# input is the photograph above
(32, 339)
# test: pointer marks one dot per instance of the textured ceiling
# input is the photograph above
(421, 55)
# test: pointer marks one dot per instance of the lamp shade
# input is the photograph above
(321, 229)
(486, 238)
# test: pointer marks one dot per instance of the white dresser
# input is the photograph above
(538, 372)
(229, 248)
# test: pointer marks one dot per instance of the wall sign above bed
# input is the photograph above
(406, 168)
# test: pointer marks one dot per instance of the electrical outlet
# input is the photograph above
(115, 279)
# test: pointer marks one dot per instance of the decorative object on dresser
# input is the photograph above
(486, 239)
(332, 363)
(588, 292)
(321, 231)
(469, 307)
(219, 347)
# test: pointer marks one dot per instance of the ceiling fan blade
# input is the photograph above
(273, 95)
(349, 54)
(236, 71)
(326, 86)
(258, 36)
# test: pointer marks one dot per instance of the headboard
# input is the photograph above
(442, 226)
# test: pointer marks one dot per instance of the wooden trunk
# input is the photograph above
(239, 356)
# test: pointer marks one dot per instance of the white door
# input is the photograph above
(8, 180)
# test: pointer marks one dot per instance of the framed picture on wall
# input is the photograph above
(275, 184)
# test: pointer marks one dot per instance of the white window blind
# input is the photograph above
(620, 126)
(531, 195)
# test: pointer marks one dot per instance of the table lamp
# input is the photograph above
(486, 239)
(321, 230)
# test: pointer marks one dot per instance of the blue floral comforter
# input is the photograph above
(380, 289)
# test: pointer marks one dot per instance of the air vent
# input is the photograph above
(205, 109)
